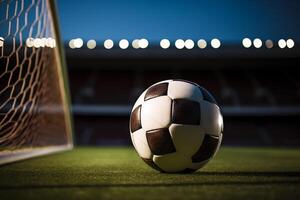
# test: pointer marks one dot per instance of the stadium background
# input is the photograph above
(257, 89)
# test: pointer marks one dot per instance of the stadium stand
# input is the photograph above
(259, 96)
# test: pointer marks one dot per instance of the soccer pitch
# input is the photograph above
(118, 173)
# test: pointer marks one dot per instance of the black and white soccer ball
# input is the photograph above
(176, 126)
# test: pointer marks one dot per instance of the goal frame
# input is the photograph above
(9, 156)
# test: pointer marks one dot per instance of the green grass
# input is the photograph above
(118, 173)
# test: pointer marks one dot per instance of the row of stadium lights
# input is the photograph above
(257, 43)
(41, 42)
(143, 43)
(179, 44)
(36, 42)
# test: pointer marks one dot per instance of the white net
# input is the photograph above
(33, 101)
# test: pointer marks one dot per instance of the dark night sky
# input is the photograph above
(229, 20)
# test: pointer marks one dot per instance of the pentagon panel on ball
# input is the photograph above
(176, 126)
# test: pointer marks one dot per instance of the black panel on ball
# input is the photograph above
(186, 112)
(207, 149)
(160, 89)
(160, 141)
(135, 119)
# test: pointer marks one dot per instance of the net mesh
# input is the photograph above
(32, 99)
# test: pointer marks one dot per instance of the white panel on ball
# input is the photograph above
(211, 118)
(184, 90)
(156, 113)
(139, 141)
(187, 138)
(173, 162)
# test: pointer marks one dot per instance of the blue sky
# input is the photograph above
(229, 20)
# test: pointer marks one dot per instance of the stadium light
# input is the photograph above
(50, 42)
(215, 43)
(257, 43)
(37, 42)
(71, 44)
(165, 43)
(91, 44)
(179, 44)
(108, 44)
(29, 42)
(269, 44)
(135, 44)
(143, 43)
(189, 44)
(1, 41)
(246, 42)
(290, 43)
(78, 43)
(43, 42)
(201, 44)
(123, 44)
(282, 43)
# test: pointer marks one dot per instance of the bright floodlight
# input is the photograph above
(189, 44)
(43, 42)
(91, 44)
(49, 42)
(282, 43)
(247, 42)
(29, 42)
(201, 44)
(135, 44)
(215, 43)
(1, 41)
(108, 44)
(143, 43)
(290, 43)
(165, 43)
(37, 42)
(269, 44)
(257, 43)
(123, 44)
(78, 43)
(71, 44)
(179, 44)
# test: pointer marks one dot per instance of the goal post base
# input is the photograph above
(9, 156)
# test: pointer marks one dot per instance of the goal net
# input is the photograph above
(34, 113)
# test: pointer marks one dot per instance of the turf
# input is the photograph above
(118, 173)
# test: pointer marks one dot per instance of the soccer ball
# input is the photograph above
(176, 126)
